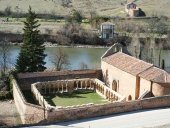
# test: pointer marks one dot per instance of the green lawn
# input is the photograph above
(77, 98)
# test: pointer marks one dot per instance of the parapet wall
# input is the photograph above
(26, 79)
(29, 113)
(107, 109)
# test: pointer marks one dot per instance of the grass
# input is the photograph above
(76, 98)
(101, 7)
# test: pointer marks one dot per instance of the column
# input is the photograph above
(45, 89)
(62, 87)
(77, 85)
(49, 88)
(81, 84)
(86, 84)
(58, 86)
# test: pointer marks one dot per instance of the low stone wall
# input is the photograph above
(29, 113)
(26, 79)
(106, 109)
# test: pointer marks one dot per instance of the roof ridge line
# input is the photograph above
(146, 69)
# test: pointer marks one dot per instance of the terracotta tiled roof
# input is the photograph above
(137, 67)
(127, 63)
(57, 73)
(156, 75)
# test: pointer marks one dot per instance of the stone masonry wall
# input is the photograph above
(107, 109)
(126, 83)
(25, 80)
(29, 113)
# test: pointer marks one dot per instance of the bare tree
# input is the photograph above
(157, 28)
(65, 3)
(60, 60)
(4, 54)
(91, 10)
(83, 65)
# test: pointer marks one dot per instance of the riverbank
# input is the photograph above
(48, 45)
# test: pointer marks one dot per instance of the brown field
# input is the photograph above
(101, 7)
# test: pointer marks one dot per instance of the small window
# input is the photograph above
(114, 85)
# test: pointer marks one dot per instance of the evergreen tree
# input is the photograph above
(31, 57)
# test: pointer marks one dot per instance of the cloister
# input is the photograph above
(60, 86)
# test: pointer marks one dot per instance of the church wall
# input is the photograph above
(126, 83)
(160, 89)
(144, 86)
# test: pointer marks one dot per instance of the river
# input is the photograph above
(76, 56)
(89, 56)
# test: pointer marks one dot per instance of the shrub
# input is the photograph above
(5, 95)
(75, 34)
(75, 17)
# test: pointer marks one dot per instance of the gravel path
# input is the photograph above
(8, 113)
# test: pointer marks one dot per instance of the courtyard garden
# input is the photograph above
(76, 98)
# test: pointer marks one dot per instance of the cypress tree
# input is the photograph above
(31, 57)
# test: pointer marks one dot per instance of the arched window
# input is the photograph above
(114, 85)
(129, 97)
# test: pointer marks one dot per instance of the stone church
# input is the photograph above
(131, 77)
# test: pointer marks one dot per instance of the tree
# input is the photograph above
(65, 3)
(60, 60)
(4, 53)
(31, 57)
(76, 16)
(83, 65)
(8, 11)
(157, 27)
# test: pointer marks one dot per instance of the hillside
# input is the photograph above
(101, 7)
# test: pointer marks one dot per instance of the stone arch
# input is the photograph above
(65, 86)
(109, 95)
(83, 84)
(79, 84)
(129, 97)
(75, 84)
(97, 86)
(114, 85)
(88, 84)
(106, 94)
(103, 91)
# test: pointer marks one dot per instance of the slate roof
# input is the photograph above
(138, 67)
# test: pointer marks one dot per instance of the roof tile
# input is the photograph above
(127, 63)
